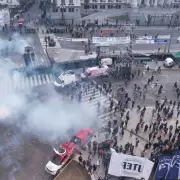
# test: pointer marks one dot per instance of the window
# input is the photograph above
(55, 9)
(76, 140)
(59, 81)
(94, 6)
(71, 9)
(102, 6)
(118, 1)
(86, 6)
(94, 1)
(71, 2)
(63, 2)
(110, 6)
(56, 160)
(62, 9)
(110, 1)
(118, 6)
(87, 73)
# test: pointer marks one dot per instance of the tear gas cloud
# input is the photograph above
(48, 120)
(15, 44)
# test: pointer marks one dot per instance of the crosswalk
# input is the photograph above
(92, 99)
(19, 82)
(43, 43)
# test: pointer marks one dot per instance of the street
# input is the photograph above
(35, 117)
(26, 154)
(150, 31)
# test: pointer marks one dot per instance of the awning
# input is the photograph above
(176, 54)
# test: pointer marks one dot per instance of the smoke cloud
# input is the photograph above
(48, 120)
(49, 117)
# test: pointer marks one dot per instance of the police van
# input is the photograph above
(65, 79)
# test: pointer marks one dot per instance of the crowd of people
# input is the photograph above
(160, 136)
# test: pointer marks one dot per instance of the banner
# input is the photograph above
(144, 41)
(164, 37)
(64, 39)
(79, 39)
(111, 40)
(168, 167)
(130, 166)
(160, 41)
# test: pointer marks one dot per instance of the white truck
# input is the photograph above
(66, 79)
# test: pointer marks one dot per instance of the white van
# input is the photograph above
(169, 62)
(106, 61)
(65, 79)
(95, 72)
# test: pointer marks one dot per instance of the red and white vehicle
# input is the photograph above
(67, 150)
(94, 72)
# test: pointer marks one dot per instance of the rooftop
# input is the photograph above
(64, 55)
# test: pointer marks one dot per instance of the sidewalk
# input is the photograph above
(121, 141)
(154, 65)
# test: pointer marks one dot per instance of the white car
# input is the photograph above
(169, 62)
(55, 164)
(107, 61)
(65, 79)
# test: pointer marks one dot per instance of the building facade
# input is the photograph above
(9, 3)
(64, 9)
(97, 5)
(176, 4)
(155, 3)
(4, 17)
(72, 9)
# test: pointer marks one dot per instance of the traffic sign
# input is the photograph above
(160, 41)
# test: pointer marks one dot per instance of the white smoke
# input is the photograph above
(11, 154)
(48, 118)
(15, 44)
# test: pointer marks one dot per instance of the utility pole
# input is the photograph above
(62, 11)
(130, 30)
(169, 45)
(86, 4)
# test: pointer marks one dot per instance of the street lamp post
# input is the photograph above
(62, 11)
(86, 3)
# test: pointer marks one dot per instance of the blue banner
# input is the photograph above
(168, 167)
(160, 41)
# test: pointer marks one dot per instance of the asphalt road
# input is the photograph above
(23, 156)
(167, 78)
(150, 31)
(16, 48)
